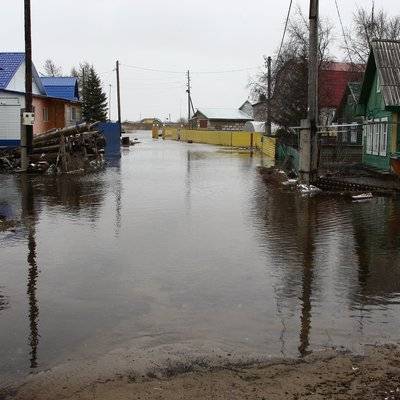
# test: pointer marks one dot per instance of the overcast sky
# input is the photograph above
(171, 35)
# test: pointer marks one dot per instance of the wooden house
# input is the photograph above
(55, 100)
(220, 119)
(350, 131)
(379, 104)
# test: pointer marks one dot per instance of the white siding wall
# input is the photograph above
(17, 83)
(10, 111)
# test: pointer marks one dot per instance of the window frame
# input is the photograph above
(384, 133)
(45, 114)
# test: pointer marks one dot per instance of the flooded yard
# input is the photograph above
(183, 247)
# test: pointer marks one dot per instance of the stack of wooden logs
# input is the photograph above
(68, 149)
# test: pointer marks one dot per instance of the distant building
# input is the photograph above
(379, 104)
(260, 109)
(220, 119)
(247, 108)
(332, 81)
(346, 115)
(55, 100)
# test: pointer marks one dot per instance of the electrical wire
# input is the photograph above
(343, 32)
(284, 31)
(224, 71)
(151, 69)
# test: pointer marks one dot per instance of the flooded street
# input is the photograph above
(184, 245)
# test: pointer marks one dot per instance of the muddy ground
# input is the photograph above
(324, 375)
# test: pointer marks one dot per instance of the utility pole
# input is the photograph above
(109, 102)
(268, 124)
(188, 92)
(27, 128)
(308, 133)
(118, 97)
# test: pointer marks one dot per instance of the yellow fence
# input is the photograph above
(224, 138)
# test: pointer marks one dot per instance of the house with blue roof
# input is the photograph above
(55, 100)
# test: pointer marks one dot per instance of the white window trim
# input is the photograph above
(384, 137)
(369, 136)
(376, 136)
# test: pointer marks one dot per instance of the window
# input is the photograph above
(73, 114)
(376, 136)
(378, 83)
(45, 114)
(384, 137)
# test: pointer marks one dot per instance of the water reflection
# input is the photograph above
(4, 303)
(377, 246)
(206, 251)
(307, 238)
(331, 255)
(29, 218)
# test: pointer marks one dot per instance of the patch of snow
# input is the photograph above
(308, 189)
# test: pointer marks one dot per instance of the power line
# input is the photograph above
(284, 31)
(151, 69)
(225, 71)
(343, 32)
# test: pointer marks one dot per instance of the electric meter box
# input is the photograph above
(28, 118)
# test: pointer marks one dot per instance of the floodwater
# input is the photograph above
(177, 242)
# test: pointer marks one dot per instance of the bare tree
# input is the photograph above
(51, 69)
(368, 25)
(290, 71)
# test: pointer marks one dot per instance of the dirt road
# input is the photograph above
(326, 375)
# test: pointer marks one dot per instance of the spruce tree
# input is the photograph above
(94, 100)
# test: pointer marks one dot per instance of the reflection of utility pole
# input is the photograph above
(118, 97)
(308, 135)
(308, 277)
(268, 124)
(29, 217)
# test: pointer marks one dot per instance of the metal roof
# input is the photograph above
(62, 87)
(9, 64)
(224, 114)
(385, 59)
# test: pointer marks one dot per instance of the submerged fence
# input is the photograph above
(338, 144)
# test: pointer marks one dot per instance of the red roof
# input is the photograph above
(333, 79)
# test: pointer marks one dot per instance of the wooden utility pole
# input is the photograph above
(27, 128)
(188, 93)
(118, 97)
(268, 124)
(309, 130)
(109, 102)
